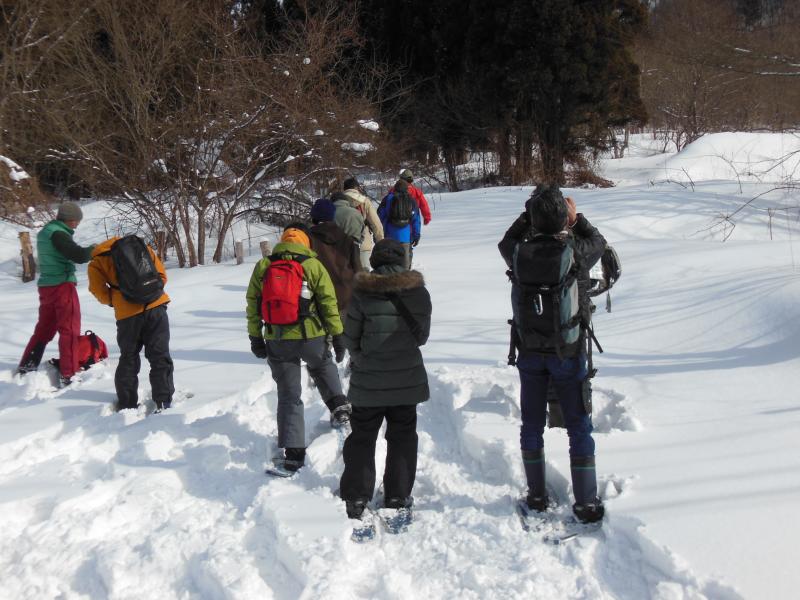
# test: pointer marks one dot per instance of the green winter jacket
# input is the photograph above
(57, 257)
(349, 220)
(324, 317)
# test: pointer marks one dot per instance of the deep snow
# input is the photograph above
(696, 419)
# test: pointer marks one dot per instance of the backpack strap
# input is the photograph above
(413, 324)
(92, 338)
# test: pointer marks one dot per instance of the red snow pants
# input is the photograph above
(59, 312)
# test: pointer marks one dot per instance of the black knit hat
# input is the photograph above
(351, 183)
(322, 211)
(547, 209)
(387, 252)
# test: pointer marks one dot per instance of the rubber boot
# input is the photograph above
(533, 461)
(588, 508)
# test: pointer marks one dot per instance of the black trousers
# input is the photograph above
(358, 479)
(150, 330)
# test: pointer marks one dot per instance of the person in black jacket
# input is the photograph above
(547, 212)
(388, 320)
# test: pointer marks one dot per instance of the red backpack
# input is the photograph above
(282, 291)
(91, 350)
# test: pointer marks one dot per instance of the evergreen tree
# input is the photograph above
(558, 72)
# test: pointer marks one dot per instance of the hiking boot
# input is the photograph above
(340, 416)
(294, 459)
(398, 502)
(64, 381)
(161, 407)
(27, 367)
(591, 512)
(355, 508)
(537, 503)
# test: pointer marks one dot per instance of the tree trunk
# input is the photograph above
(223, 229)
(201, 236)
(183, 213)
(504, 154)
(450, 158)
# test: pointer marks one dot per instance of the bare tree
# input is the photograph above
(192, 124)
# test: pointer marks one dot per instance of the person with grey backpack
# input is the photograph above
(549, 250)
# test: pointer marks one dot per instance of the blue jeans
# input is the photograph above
(568, 375)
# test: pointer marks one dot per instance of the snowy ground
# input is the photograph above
(696, 416)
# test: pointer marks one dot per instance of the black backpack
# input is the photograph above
(402, 209)
(138, 280)
(544, 294)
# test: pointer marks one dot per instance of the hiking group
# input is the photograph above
(341, 285)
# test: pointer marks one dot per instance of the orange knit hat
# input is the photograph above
(296, 236)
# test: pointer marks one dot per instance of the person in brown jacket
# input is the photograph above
(138, 325)
(336, 250)
(374, 228)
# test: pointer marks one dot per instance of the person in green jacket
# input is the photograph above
(59, 308)
(285, 345)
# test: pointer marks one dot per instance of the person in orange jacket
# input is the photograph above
(417, 195)
(138, 325)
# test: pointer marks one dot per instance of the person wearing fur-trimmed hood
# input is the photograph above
(387, 321)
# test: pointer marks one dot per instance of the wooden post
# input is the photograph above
(265, 249)
(239, 251)
(28, 262)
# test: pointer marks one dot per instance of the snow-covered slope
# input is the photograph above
(695, 413)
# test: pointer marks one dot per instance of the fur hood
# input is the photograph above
(375, 283)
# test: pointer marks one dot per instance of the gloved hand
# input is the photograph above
(338, 348)
(415, 242)
(258, 346)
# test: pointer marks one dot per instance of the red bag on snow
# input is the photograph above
(91, 350)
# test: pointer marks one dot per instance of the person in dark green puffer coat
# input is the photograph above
(388, 319)
(59, 307)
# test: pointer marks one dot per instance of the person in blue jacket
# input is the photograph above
(401, 220)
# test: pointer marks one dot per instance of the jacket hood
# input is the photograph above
(104, 246)
(376, 283)
(292, 248)
(328, 233)
(356, 196)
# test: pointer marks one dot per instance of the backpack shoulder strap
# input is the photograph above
(413, 324)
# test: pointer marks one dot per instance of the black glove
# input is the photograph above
(338, 347)
(415, 242)
(258, 346)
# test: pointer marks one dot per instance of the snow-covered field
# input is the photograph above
(696, 414)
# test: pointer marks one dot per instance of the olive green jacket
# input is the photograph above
(324, 317)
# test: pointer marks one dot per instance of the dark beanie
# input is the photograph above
(407, 175)
(547, 210)
(322, 211)
(69, 211)
(387, 252)
(350, 183)
(336, 196)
